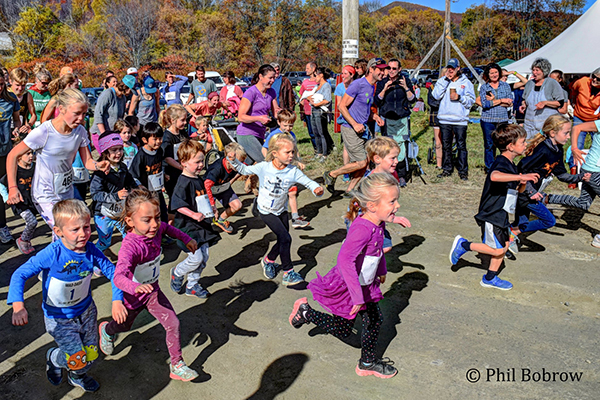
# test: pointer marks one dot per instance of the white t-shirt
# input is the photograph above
(55, 153)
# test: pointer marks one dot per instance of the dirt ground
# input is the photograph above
(441, 327)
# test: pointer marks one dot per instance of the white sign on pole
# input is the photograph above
(350, 48)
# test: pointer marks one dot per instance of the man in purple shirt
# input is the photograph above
(355, 107)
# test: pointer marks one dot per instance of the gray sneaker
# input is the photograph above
(300, 222)
(596, 241)
(107, 342)
(182, 372)
(5, 236)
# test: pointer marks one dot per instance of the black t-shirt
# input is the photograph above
(144, 164)
(168, 147)
(184, 195)
(546, 159)
(24, 179)
(494, 194)
(218, 173)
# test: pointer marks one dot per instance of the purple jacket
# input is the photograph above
(139, 251)
(353, 279)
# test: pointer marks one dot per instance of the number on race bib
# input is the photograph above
(156, 182)
(67, 293)
(147, 272)
(63, 182)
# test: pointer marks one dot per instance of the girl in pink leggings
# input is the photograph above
(137, 274)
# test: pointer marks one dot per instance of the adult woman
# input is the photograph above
(348, 73)
(434, 122)
(320, 103)
(146, 102)
(110, 107)
(231, 94)
(559, 77)
(496, 97)
(542, 97)
(206, 108)
(39, 91)
(9, 113)
(257, 103)
(64, 82)
(172, 90)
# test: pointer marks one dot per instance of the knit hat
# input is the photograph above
(212, 94)
(109, 140)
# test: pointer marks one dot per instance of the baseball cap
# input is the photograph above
(150, 85)
(132, 71)
(66, 70)
(109, 140)
(376, 62)
(453, 63)
(129, 81)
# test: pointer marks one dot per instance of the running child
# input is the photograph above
(276, 176)
(174, 121)
(498, 198)
(137, 275)
(544, 156)
(351, 287)
(190, 220)
(286, 120)
(56, 142)
(25, 209)
(109, 190)
(217, 183)
(18, 85)
(70, 314)
(202, 134)
(129, 148)
(146, 166)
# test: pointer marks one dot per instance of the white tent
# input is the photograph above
(574, 51)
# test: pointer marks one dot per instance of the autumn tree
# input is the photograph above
(36, 33)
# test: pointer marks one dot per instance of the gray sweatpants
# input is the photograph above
(193, 265)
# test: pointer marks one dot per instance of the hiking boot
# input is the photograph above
(53, 372)
(457, 251)
(223, 224)
(496, 283)
(182, 372)
(298, 315)
(463, 177)
(176, 281)
(107, 342)
(25, 247)
(382, 368)
(85, 382)
(5, 236)
(197, 291)
(269, 268)
(329, 182)
(291, 278)
(300, 222)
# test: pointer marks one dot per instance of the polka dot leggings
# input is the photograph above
(342, 328)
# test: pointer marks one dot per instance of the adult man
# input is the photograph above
(456, 95)
(355, 107)
(394, 96)
(283, 88)
(305, 110)
(586, 105)
(200, 87)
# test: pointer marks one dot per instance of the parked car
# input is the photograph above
(467, 72)
(422, 75)
(296, 76)
(92, 95)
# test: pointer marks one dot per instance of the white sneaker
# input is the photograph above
(596, 241)
(5, 236)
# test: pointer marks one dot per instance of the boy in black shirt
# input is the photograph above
(188, 196)
(497, 199)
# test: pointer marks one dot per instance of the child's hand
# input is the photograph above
(119, 312)
(199, 217)
(356, 308)
(537, 197)
(586, 177)
(319, 191)
(529, 177)
(144, 288)
(192, 246)
(301, 166)
(123, 193)
(402, 221)
(19, 317)
(382, 279)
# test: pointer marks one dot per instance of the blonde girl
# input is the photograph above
(174, 122)
(56, 86)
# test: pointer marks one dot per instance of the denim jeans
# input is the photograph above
(545, 218)
(448, 133)
(307, 119)
(488, 145)
(105, 227)
(318, 120)
(580, 140)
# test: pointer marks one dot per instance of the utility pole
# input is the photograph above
(349, 32)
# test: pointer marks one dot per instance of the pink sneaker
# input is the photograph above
(25, 247)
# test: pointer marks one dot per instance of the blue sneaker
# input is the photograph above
(53, 372)
(197, 291)
(457, 251)
(496, 283)
(85, 382)
(291, 278)
(176, 281)
(346, 178)
(269, 268)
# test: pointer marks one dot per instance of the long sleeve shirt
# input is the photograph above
(454, 112)
(172, 93)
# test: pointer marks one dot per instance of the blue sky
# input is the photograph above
(459, 6)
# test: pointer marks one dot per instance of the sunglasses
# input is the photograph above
(596, 78)
(395, 69)
(45, 83)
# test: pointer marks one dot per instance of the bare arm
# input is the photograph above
(48, 111)
(133, 104)
(14, 196)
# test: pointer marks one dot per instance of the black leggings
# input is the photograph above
(279, 224)
(342, 328)
(2, 213)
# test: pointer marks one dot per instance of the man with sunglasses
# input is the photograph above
(394, 96)
(586, 105)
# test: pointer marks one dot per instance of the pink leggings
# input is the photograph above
(159, 306)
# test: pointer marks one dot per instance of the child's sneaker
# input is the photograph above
(5, 236)
(382, 368)
(496, 283)
(223, 224)
(457, 251)
(98, 272)
(346, 178)
(300, 222)
(269, 268)
(53, 372)
(85, 382)
(25, 247)
(513, 242)
(182, 372)
(107, 342)
(197, 291)
(596, 241)
(176, 281)
(297, 318)
(291, 278)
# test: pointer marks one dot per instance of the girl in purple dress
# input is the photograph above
(352, 286)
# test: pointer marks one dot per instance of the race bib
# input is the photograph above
(170, 96)
(156, 182)
(112, 210)
(368, 270)
(147, 272)
(175, 148)
(127, 159)
(67, 294)
(63, 182)
(81, 175)
(203, 206)
(510, 204)
(269, 201)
